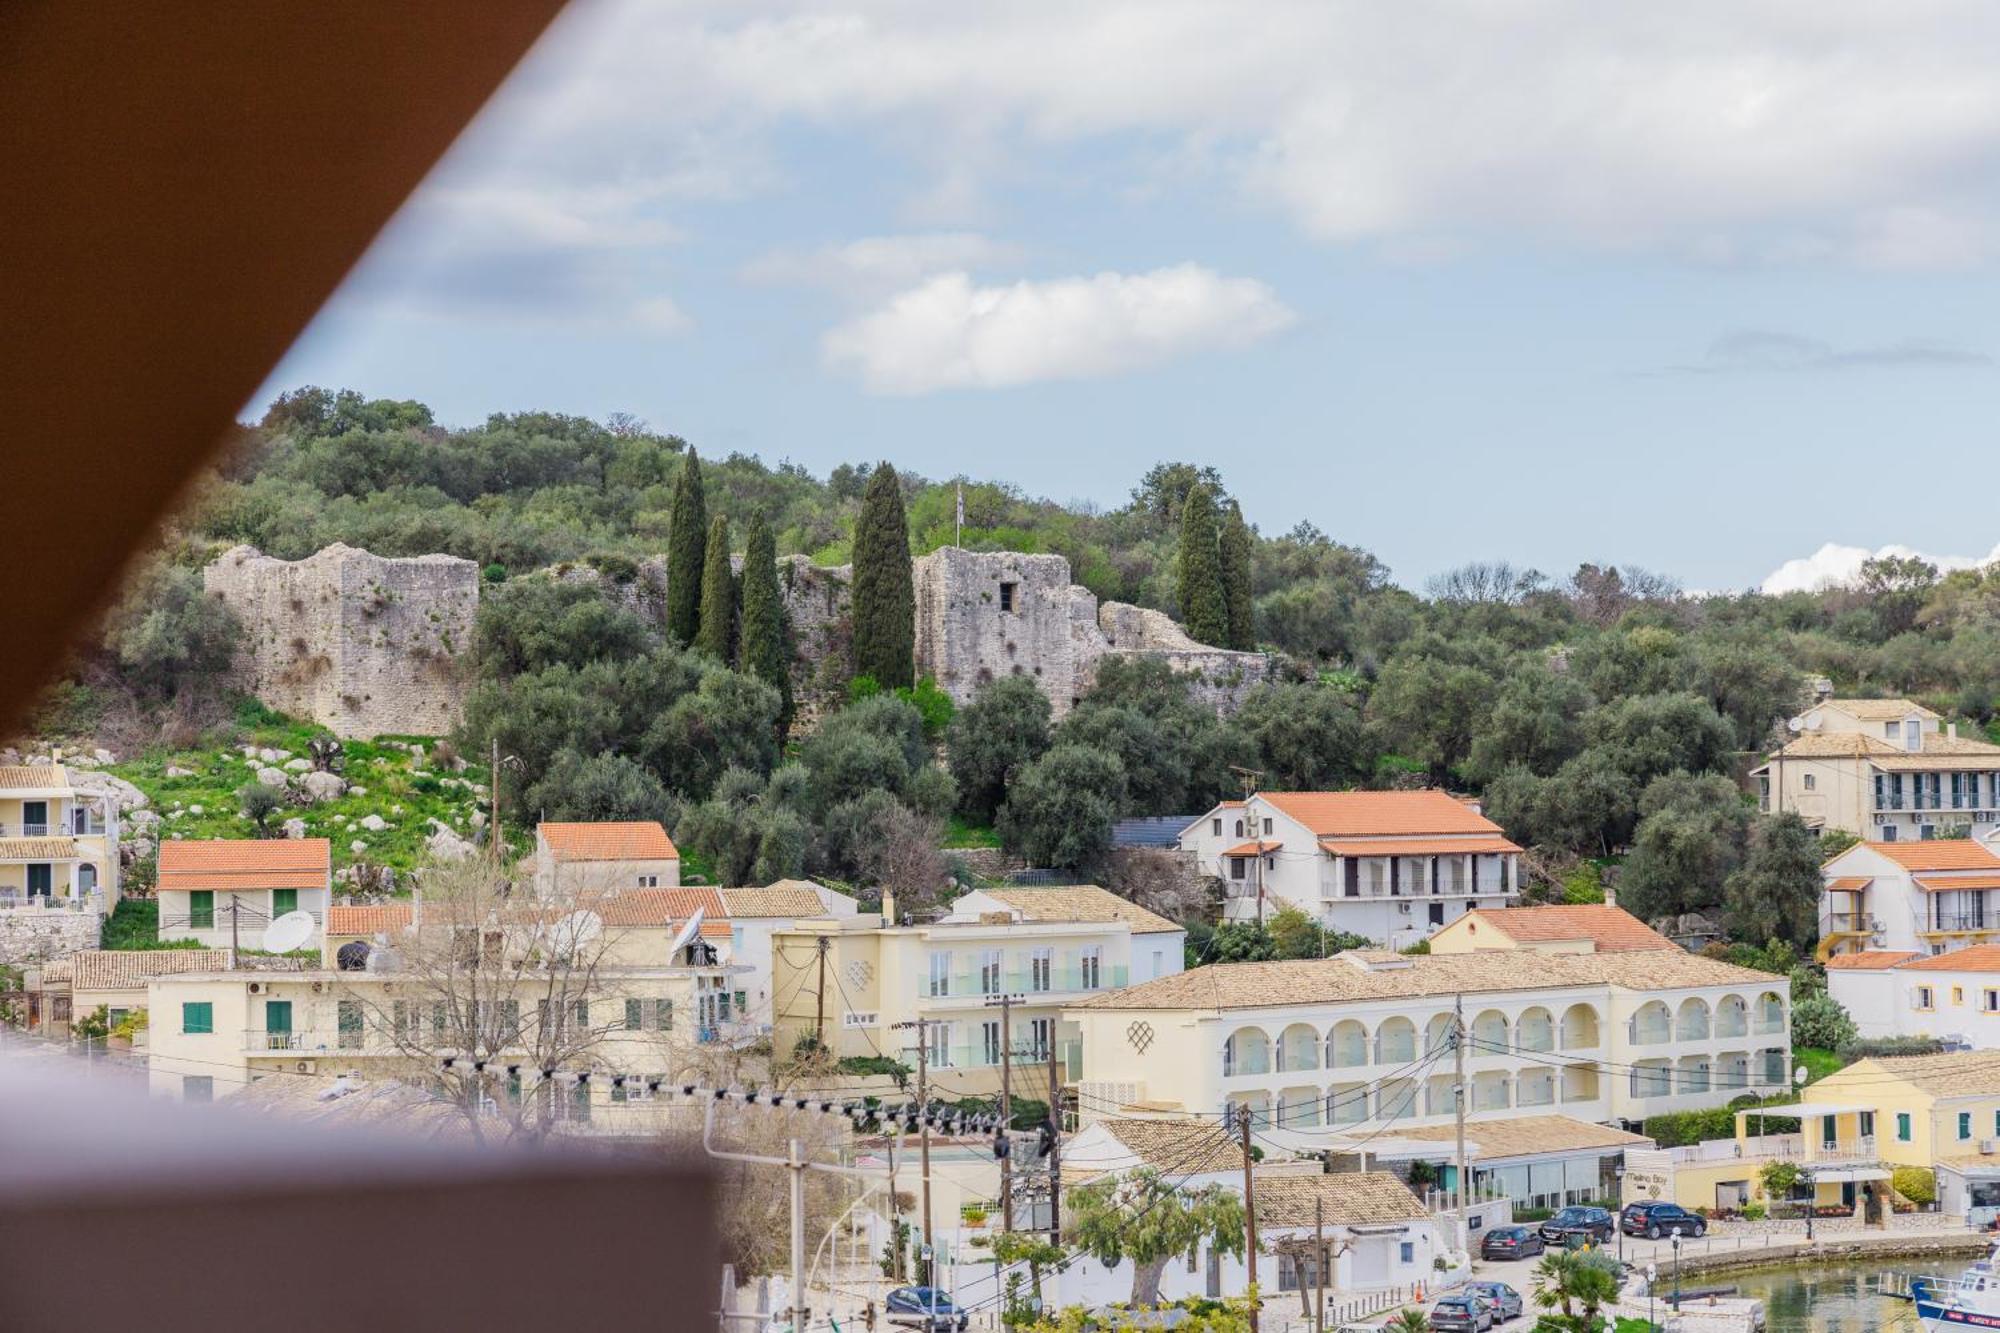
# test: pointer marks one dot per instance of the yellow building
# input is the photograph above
(1883, 769)
(114, 980)
(866, 986)
(58, 846)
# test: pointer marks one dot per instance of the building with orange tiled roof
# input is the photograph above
(604, 857)
(223, 892)
(1899, 993)
(1559, 928)
(58, 845)
(1925, 897)
(1393, 866)
(1887, 769)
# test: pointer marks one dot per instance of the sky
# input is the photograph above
(1709, 288)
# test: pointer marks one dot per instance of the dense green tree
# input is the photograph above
(1691, 838)
(1003, 729)
(1145, 1217)
(259, 801)
(885, 623)
(1536, 721)
(1060, 809)
(1649, 736)
(528, 624)
(1430, 708)
(168, 635)
(1202, 606)
(718, 595)
(763, 650)
(1819, 1023)
(1775, 894)
(687, 551)
(1309, 737)
(1238, 596)
(600, 787)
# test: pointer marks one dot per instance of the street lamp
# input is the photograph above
(1677, 1272)
(1812, 1199)
(1619, 1171)
(1652, 1287)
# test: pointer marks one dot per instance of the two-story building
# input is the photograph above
(1909, 897)
(755, 915)
(868, 988)
(595, 858)
(223, 892)
(58, 846)
(1391, 866)
(1882, 769)
(1362, 1042)
(114, 980)
(1899, 993)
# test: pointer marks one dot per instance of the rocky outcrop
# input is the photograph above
(360, 644)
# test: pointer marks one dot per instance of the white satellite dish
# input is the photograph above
(289, 932)
(576, 930)
(1795, 724)
(686, 934)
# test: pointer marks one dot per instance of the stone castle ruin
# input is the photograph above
(360, 644)
(365, 645)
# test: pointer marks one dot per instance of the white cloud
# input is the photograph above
(949, 334)
(877, 266)
(1755, 351)
(1836, 566)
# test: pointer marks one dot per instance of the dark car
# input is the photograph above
(1578, 1221)
(1654, 1220)
(925, 1308)
(1506, 1301)
(1510, 1243)
(1461, 1314)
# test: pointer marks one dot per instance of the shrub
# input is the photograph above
(1863, 1048)
(1819, 1022)
(1918, 1184)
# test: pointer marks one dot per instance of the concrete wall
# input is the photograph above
(360, 644)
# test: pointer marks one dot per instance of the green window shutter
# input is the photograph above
(197, 1017)
(635, 1015)
(350, 1022)
(1902, 1126)
(283, 901)
(581, 1008)
(201, 909)
(277, 1015)
(666, 1015)
(437, 1019)
(510, 1022)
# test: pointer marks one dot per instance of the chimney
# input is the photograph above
(1610, 894)
(1951, 730)
(888, 908)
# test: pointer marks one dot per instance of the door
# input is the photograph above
(277, 1025)
(34, 819)
(41, 880)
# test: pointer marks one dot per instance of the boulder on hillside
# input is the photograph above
(323, 786)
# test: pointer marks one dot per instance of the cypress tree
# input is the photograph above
(885, 604)
(687, 542)
(1202, 608)
(1236, 588)
(761, 643)
(718, 594)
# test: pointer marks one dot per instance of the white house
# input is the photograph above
(1909, 897)
(223, 892)
(756, 914)
(1392, 866)
(1900, 993)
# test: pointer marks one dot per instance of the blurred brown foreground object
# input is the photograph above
(185, 185)
(119, 1211)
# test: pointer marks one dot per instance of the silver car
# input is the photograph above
(1506, 1301)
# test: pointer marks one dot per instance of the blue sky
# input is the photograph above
(1704, 290)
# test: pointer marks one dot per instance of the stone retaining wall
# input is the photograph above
(38, 936)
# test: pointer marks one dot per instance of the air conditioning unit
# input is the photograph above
(256, 988)
(303, 1066)
(1404, 908)
(1987, 1147)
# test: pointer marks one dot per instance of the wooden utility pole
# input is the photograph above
(1005, 1004)
(819, 996)
(493, 799)
(923, 1027)
(1055, 1143)
(1249, 1211)
(1319, 1265)
(1458, 1101)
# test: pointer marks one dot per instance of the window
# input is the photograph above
(1406, 1252)
(350, 1025)
(197, 1088)
(989, 972)
(197, 1018)
(1965, 1124)
(635, 1015)
(1989, 1001)
(1888, 833)
(1867, 1124)
(1889, 730)
(941, 974)
(1040, 964)
(940, 1043)
(1239, 828)
(1267, 827)
(1925, 998)
(1217, 823)
(1958, 995)
(1913, 740)
(1041, 1036)
(1829, 1130)
(1007, 596)
(1093, 968)
(1236, 866)
(989, 1041)
(1902, 1126)
(201, 910)
(1811, 782)
(649, 881)
(283, 901)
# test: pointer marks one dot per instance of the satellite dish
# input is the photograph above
(686, 934)
(576, 930)
(1800, 1075)
(353, 957)
(289, 932)
(1795, 724)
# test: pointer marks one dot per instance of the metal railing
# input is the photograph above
(977, 982)
(302, 1039)
(13, 900)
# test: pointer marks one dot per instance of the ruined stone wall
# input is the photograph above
(360, 644)
(28, 937)
(1218, 677)
(982, 615)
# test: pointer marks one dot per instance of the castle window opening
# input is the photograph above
(1007, 596)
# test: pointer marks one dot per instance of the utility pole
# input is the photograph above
(1005, 1004)
(1249, 1210)
(819, 996)
(234, 944)
(1319, 1265)
(1055, 1143)
(923, 1027)
(797, 1166)
(1458, 1103)
(493, 799)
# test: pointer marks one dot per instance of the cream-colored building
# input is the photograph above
(604, 858)
(1925, 897)
(1882, 769)
(1362, 1042)
(223, 892)
(58, 846)
(1047, 947)
(1893, 993)
(114, 980)
(1562, 928)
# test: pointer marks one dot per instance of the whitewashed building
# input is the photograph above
(1901, 993)
(1909, 897)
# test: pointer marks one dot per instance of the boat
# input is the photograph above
(1970, 1300)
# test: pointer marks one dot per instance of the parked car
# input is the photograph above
(925, 1308)
(1506, 1301)
(1461, 1314)
(1654, 1219)
(1510, 1243)
(1579, 1221)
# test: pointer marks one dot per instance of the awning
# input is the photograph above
(1253, 848)
(1802, 1109)
(1849, 884)
(1841, 1175)
(1952, 883)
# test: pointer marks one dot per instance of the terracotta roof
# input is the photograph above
(787, 899)
(244, 864)
(1253, 848)
(37, 849)
(59, 970)
(1976, 958)
(1870, 960)
(1876, 710)
(372, 919)
(1530, 1135)
(1339, 979)
(1414, 846)
(1958, 1074)
(1366, 814)
(638, 840)
(1611, 929)
(1364, 1198)
(129, 969)
(1837, 745)
(665, 907)
(1850, 883)
(1080, 902)
(33, 776)
(1942, 751)
(1939, 854)
(1178, 1147)
(1949, 883)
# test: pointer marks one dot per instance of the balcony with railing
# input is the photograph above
(976, 984)
(1960, 920)
(260, 1041)
(17, 900)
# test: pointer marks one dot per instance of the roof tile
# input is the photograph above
(1529, 1135)
(244, 864)
(129, 969)
(1611, 929)
(637, 840)
(1975, 958)
(1365, 1198)
(1870, 960)
(1080, 902)
(1939, 854)
(1363, 814)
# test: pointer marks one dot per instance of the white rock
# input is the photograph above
(374, 823)
(445, 845)
(176, 771)
(123, 793)
(271, 756)
(357, 790)
(297, 765)
(323, 786)
(80, 761)
(272, 777)
(295, 828)
(395, 809)
(479, 819)
(357, 846)
(196, 810)
(143, 819)
(249, 751)
(105, 756)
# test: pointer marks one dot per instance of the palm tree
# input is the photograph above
(1409, 1319)
(1565, 1280)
